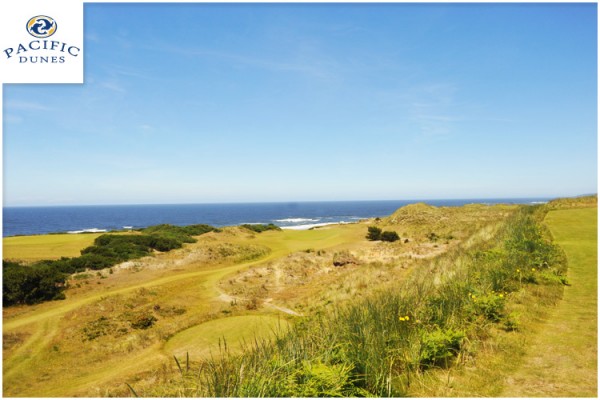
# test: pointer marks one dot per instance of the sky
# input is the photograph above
(204, 103)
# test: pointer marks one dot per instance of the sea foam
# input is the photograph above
(91, 230)
(297, 220)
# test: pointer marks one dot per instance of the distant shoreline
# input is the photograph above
(25, 221)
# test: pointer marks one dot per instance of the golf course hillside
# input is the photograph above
(470, 301)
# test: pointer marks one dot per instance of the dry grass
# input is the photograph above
(57, 341)
(45, 247)
(86, 345)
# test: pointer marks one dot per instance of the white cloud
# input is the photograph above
(114, 86)
(316, 65)
(26, 105)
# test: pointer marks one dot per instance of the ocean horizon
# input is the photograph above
(35, 220)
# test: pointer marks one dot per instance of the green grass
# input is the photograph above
(562, 359)
(46, 247)
(202, 340)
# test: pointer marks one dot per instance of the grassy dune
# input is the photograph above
(125, 325)
(47, 339)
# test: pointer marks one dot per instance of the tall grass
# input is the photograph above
(381, 344)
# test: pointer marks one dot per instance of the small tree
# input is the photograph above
(389, 236)
(374, 233)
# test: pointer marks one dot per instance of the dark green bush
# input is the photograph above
(389, 236)
(182, 234)
(374, 233)
(45, 280)
(22, 284)
(258, 228)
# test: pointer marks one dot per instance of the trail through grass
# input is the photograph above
(22, 367)
(204, 339)
(562, 361)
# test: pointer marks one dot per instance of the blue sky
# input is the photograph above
(194, 103)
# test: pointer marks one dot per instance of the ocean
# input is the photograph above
(292, 215)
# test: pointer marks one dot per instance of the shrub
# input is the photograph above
(94, 329)
(143, 321)
(23, 284)
(45, 280)
(258, 228)
(490, 305)
(374, 233)
(433, 237)
(181, 232)
(165, 243)
(344, 258)
(389, 236)
(439, 346)
(320, 380)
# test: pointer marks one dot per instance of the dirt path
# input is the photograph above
(562, 361)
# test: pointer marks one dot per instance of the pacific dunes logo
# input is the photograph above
(42, 51)
(41, 26)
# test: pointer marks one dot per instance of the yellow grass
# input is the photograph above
(210, 337)
(45, 247)
(54, 358)
(59, 324)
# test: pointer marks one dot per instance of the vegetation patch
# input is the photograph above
(12, 339)
(344, 258)
(439, 346)
(99, 327)
(258, 228)
(24, 284)
(379, 345)
(143, 321)
(375, 233)
(389, 236)
(46, 280)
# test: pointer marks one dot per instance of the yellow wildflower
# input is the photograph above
(518, 270)
(407, 318)
(501, 295)
(533, 269)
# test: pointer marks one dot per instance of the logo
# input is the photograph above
(42, 50)
(41, 26)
